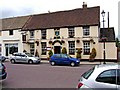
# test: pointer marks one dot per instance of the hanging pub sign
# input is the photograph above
(48, 48)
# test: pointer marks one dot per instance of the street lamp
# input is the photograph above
(103, 38)
(103, 15)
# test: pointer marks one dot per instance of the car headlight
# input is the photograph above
(77, 61)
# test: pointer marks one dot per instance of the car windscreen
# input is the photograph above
(29, 55)
(87, 74)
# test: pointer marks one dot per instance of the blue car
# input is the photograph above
(63, 59)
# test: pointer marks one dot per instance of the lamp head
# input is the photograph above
(103, 13)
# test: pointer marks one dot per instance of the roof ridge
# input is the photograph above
(66, 10)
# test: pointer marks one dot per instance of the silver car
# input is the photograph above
(24, 58)
(101, 77)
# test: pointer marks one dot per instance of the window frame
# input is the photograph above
(43, 48)
(71, 32)
(11, 32)
(86, 47)
(24, 38)
(86, 30)
(32, 48)
(43, 34)
(32, 34)
(71, 47)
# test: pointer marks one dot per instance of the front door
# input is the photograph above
(57, 49)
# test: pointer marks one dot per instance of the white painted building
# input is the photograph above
(11, 38)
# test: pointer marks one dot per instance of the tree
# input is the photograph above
(93, 54)
(117, 42)
(64, 51)
(50, 53)
(79, 51)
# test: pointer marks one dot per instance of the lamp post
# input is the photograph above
(103, 15)
(103, 38)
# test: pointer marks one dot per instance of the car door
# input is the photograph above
(107, 79)
(24, 58)
(17, 57)
(65, 59)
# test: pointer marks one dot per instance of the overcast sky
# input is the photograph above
(13, 8)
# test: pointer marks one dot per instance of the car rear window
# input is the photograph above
(57, 56)
(87, 74)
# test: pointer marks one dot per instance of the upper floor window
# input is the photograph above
(71, 47)
(57, 33)
(71, 32)
(10, 32)
(23, 38)
(86, 30)
(86, 47)
(31, 34)
(43, 34)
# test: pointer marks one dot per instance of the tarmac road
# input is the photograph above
(42, 75)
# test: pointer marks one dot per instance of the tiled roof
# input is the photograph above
(13, 23)
(109, 34)
(76, 17)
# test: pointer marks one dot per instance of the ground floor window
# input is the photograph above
(86, 47)
(71, 47)
(32, 48)
(11, 48)
(43, 46)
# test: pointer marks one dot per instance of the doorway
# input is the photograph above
(57, 49)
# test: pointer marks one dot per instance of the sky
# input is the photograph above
(13, 8)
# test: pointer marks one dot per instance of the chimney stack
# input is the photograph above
(84, 5)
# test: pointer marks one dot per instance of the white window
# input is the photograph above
(32, 48)
(43, 45)
(86, 31)
(71, 32)
(43, 32)
(11, 48)
(71, 47)
(86, 47)
(31, 34)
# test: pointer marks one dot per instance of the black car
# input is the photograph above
(3, 73)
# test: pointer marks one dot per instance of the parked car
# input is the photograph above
(3, 73)
(63, 59)
(24, 58)
(2, 58)
(101, 77)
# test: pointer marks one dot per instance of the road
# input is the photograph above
(42, 75)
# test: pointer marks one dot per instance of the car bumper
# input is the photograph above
(38, 61)
(77, 63)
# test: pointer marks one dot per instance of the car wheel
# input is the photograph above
(72, 64)
(12, 61)
(52, 63)
(30, 62)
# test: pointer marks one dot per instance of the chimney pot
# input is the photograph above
(84, 5)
